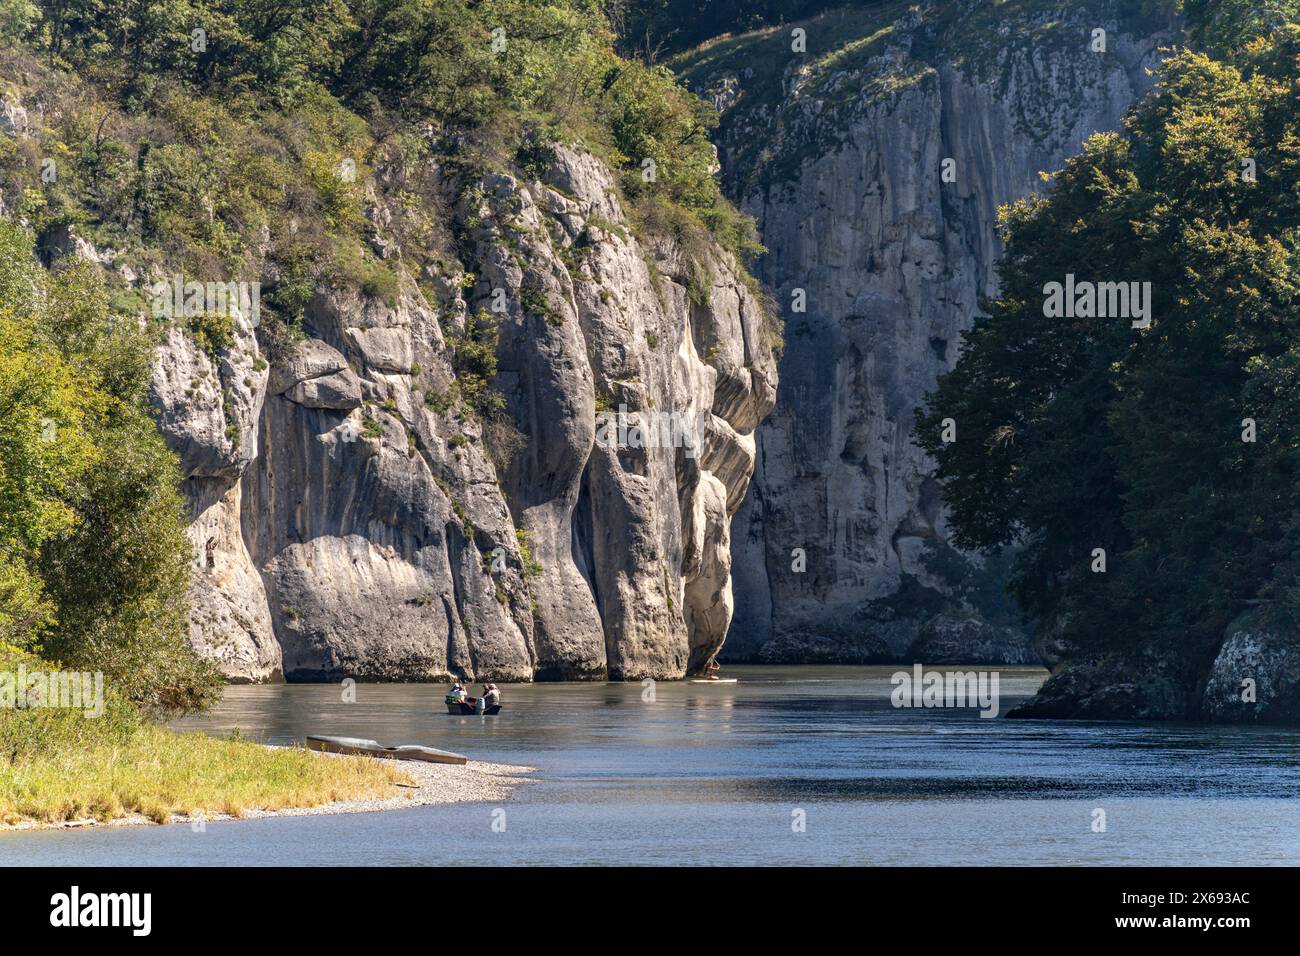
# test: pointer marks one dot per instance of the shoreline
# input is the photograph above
(476, 781)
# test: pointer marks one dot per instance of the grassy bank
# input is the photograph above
(58, 764)
(157, 773)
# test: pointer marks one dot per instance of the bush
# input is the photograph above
(214, 332)
(474, 360)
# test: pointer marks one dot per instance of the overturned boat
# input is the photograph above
(360, 747)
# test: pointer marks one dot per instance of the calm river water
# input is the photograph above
(797, 765)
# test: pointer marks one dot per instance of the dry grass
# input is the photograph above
(155, 773)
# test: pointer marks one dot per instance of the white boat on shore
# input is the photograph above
(361, 747)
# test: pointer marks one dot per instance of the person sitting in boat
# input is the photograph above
(492, 696)
(457, 693)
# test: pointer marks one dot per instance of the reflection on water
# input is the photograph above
(705, 773)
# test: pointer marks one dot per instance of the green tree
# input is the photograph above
(94, 560)
(44, 445)
(16, 18)
(120, 579)
(1220, 27)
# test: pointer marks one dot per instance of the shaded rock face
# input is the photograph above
(1252, 677)
(369, 523)
(878, 265)
(951, 639)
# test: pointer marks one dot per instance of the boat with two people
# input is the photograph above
(461, 704)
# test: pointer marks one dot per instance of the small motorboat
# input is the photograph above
(360, 747)
(469, 707)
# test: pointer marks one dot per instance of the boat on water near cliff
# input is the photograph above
(469, 707)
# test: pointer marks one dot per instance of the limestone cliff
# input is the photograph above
(354, 516)
(874, 161)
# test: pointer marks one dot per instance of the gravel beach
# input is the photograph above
(434, 783)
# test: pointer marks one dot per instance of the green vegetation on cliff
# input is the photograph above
(653, 29)
(808, 101)
(237, 136)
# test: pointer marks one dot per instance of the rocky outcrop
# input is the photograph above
(358, 513)
(1143, 685)
(1252, 678)
(209, 408)
(968, 639)
(875, 164)
(1256, 675)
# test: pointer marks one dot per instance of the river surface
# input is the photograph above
(791, 765)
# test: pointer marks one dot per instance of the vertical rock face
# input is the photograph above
(355, 516)
(373, 570)
(875, 170)
(208, 409)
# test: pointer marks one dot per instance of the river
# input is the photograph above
(791, 765)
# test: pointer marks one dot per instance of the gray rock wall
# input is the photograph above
(842, 167)
(350, 520)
